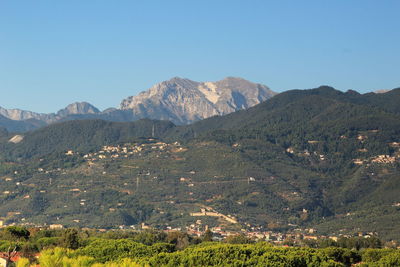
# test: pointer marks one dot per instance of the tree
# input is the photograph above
(207, 236)
(23, 262)
(238, 239)
(179, 239)
(52, 257)
(9, 255)
(70, 239)
(17, 232)
(150, 237)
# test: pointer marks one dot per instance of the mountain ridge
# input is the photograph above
(317, 158)
(179, 100)
(187, 101)
(182, 101)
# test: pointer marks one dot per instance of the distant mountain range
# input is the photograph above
(72, 109)
(181, 101)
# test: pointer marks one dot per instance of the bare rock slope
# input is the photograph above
(184, 101)
(181, 101)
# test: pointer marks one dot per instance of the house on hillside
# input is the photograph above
(56, 226)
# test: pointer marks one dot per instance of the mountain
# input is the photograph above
(21, 115)
(294, 108)
(15, 120)
(183, 101)
(78, 108)
(317, 158)
(72, 109)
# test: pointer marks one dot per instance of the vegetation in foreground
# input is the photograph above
(79, 248)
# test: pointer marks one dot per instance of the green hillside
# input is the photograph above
(83, 135)
(305, 158)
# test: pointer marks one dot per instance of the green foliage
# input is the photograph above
(150, 237)
(70, 239)
(246, 255)
(348, 257)
(80, 261)
(179, 239)
(381, 257)
(374, 255)
(48, 242)
(5, 245)
(120, 263)
(359, 242)
(28, 248)
(238, 239)
(16, 233)
(125, 252)
(53, 257)
(207, 236)
(109, 250)
(84, 136)
(390, 260)
(23, 262)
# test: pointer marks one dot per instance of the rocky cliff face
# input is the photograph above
(184, 101)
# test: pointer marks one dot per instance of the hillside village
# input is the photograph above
(157, 150)
(362, 138)
(132, 150)
(127, 150)
(198, 229)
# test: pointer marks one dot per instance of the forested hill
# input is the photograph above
(18, 126)
(351, 140)
(290, 118)
(84, 136)
(303, 107)
(300, 120)
(305, 158)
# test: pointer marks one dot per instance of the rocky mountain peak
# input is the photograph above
(178, 99)
(78, 108)
(184, 101)
(231, 79)
(178, 81)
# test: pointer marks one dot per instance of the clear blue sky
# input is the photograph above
(53, 53)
